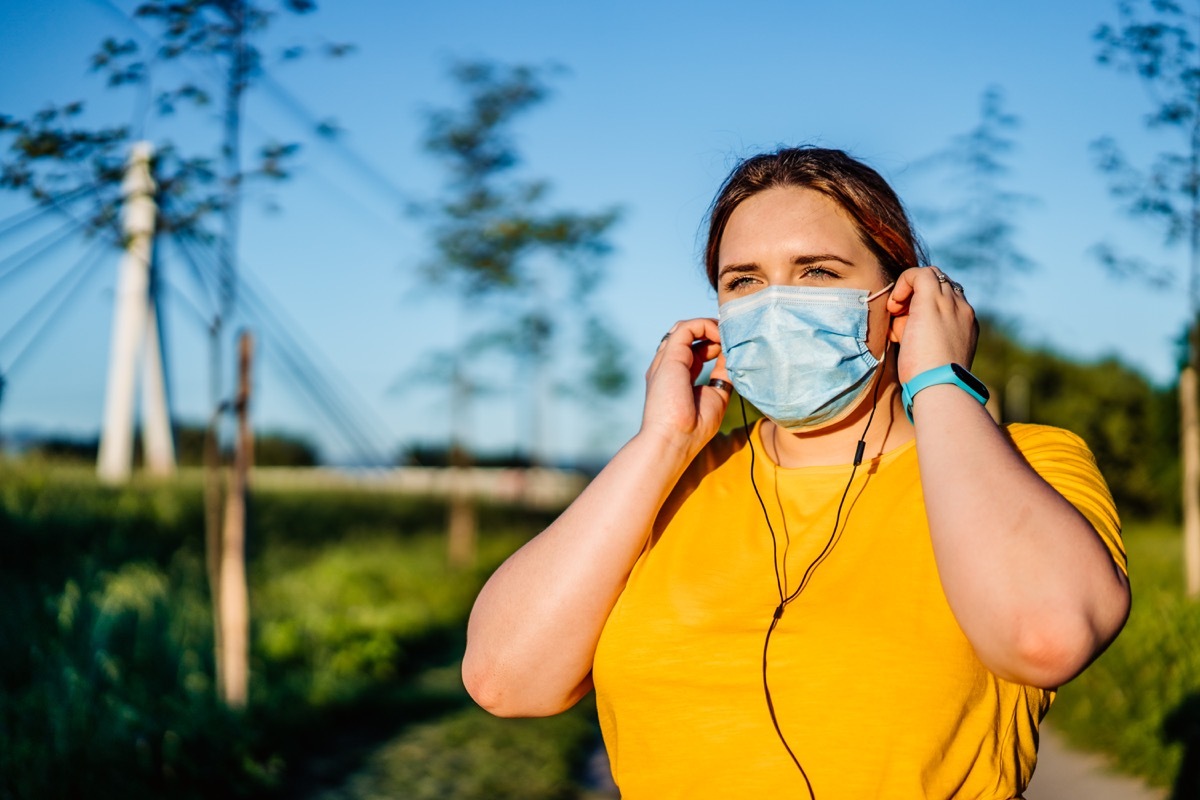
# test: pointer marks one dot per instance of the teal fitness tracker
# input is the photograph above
(947, 373)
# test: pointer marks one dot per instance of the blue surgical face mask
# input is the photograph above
(799, 353)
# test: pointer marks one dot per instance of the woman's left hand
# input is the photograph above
(932, 320)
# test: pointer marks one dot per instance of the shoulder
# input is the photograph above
(722, 453)
(724, 459)
(1035, 437)
(1065, 461)
(1058, 455)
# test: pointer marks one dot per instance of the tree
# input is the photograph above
(1153, 39)
(1126, 420)
(57, 161)
(974, 229)
(523, 274)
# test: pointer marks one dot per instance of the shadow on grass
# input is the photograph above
(1183, 725)
(106, 686)
(326, 746)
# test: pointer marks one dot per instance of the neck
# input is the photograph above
(835, 445)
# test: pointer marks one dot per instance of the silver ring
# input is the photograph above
(717, 383)
(958, 287)
(664, 338)
(941, 276)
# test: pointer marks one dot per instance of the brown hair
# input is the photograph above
(876, 210)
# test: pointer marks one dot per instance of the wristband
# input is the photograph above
(947, 373)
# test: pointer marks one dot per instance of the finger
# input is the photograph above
(703, 351)
(702, 328)
(718, 371)
(692, 338)
(945, 285)
(919, 279)
(711, 402)
(718, 377)
(678, 345)
(715, 396)
(706, 350)
(905, 288)
(662, 345)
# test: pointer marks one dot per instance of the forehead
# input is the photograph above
(789, 218)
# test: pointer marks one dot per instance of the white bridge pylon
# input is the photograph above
(136, 340)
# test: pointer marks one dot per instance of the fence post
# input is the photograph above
(234, 603)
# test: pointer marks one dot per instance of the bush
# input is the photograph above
(1131, 425)
(106, 685)
(1139, 701)
(470, 755)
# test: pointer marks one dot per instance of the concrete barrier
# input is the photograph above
(537, 487)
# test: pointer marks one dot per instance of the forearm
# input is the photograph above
(533, 631)
(1028, 579)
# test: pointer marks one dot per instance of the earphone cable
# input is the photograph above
(763, 506)
(778, 609)
(783, 602)
(859, 449)
(771, 704)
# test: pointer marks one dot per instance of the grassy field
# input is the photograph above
(1140, 701)
(106, 683)
(106, 680)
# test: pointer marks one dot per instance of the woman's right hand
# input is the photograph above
(533, 631)
(685, 414)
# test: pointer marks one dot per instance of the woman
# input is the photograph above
(872, 593)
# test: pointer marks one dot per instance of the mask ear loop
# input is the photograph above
(866, 301)
(880, 293)
(859, 450)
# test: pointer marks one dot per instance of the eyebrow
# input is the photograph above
(799, 261)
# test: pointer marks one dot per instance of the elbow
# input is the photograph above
(1048, 659)
(485, 688)
(500, 695)
(1052, 653)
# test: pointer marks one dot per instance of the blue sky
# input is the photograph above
(656, 103)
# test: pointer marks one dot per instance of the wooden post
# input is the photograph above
(234, 595)
(462, 524)
(213, 505)
(1190, 442)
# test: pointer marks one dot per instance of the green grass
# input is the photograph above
(468, 754)
(106, 685)
(1140, 701)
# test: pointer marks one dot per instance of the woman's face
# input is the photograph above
(791, 236)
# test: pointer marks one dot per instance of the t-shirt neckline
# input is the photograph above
(867, 464)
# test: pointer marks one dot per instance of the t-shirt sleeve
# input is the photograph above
(1065, 462)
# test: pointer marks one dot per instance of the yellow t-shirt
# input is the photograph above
(876, 688)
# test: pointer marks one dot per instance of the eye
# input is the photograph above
(819, 273)
(739, 282)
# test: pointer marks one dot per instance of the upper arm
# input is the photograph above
(1064, 461)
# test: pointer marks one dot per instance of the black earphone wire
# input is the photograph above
(808, 573)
